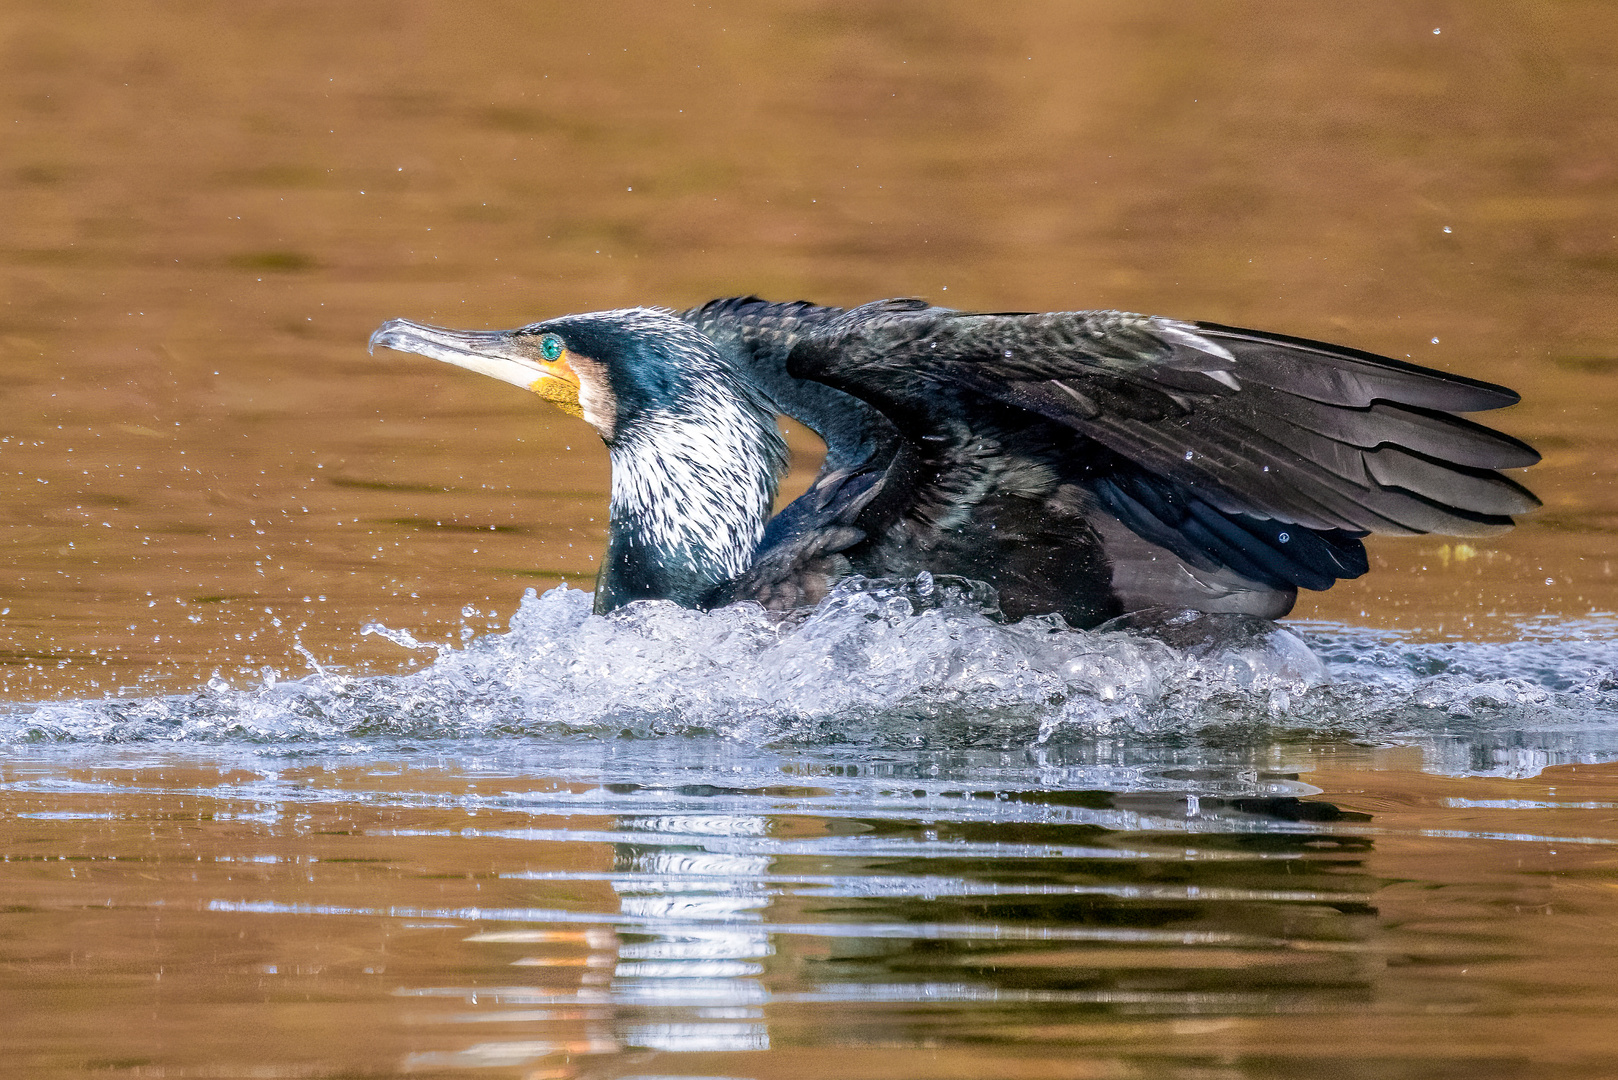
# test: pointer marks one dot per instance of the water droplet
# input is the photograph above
(1435, 341)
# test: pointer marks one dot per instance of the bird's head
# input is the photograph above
(695, 449)
(615, 369)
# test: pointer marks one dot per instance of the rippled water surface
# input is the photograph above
(891, 837)
(310, 765)
(689, 907)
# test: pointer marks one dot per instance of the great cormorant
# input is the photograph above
(1084, 463)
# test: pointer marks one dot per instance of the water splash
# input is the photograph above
(909, 664)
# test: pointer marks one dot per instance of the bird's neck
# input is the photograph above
(756, 336)
(691, 493)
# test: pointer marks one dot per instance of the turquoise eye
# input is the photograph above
(550, 347)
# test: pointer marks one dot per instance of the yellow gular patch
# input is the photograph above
(559, 386)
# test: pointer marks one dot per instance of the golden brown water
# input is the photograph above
(443, 917)
(207, 209)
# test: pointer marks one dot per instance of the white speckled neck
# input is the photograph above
(698, 485)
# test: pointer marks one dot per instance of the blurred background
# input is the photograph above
(208, 208)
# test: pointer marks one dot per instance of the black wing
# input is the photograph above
(1237, 451)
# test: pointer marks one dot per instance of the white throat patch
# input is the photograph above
(699, 484)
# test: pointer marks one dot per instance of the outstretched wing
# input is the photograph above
(1263, 454)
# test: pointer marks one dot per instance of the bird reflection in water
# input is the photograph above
(692, 971)
(975, 916)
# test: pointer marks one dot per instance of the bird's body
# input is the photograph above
(1083, 463)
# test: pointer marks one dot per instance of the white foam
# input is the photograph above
(909, 664)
